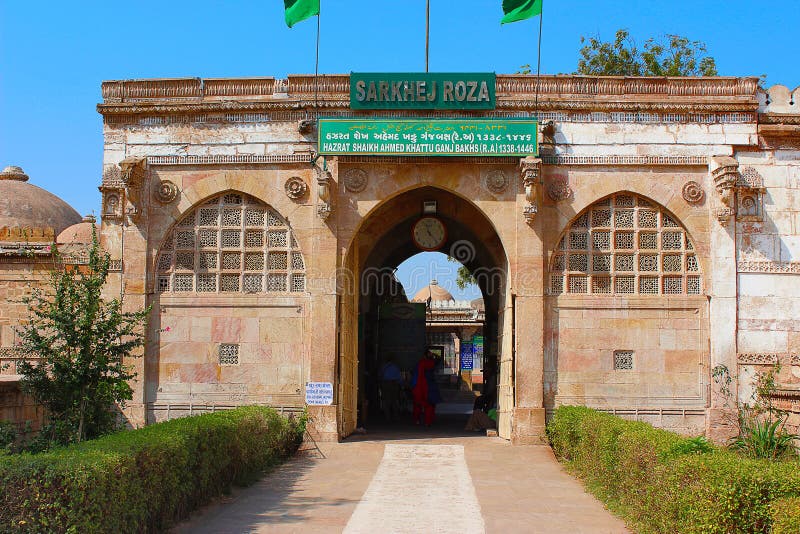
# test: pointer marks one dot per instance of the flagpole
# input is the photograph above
(316, 73)
(427, 32)
(538, 65)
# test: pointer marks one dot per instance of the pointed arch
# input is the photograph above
(230, 243)
(625, 244)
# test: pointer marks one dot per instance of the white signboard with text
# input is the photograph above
(319, 393)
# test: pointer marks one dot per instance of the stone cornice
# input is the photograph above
(515, 92)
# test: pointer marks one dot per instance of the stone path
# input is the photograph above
(419, 488)
(416, 482)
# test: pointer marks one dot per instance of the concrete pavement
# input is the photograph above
(412, 480)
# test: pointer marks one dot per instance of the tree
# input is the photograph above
(80, 341)
(677, 56)
(464, 277)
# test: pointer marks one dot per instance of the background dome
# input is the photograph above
(435, 291)
(23, 205)
(80, 233)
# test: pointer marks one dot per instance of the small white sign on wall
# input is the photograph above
(319, 393)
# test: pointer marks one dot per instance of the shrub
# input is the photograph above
(141, 480)
(662, 482)
(765, 438)
(786, 516)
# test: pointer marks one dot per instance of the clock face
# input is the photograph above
(429, 233)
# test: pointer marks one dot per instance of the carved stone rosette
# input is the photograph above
(725, 176)
(355, 180)
(324, 179)
(558, 189)
(295, 188)
(693, 192)
(496, 181)
(165, 192)
(529, 172)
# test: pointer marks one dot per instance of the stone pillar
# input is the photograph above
(528, 313)
(323, 261)
(124, 200)
(721, 411)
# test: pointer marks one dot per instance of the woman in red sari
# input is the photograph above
(425, 391)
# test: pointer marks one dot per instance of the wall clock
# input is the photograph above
(429, 233)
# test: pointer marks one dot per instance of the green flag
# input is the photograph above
(515, 10)
(299, 10)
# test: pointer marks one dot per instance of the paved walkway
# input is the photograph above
(414, 481)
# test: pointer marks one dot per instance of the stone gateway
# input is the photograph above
(653, 238)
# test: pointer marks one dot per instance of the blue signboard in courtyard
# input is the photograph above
(466, 355)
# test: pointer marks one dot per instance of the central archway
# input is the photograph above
(381, 242)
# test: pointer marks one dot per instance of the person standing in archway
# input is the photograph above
(391, 384)
(425, 391)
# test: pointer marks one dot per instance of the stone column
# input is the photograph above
(721, 411)
(527, 287)
(322, 281)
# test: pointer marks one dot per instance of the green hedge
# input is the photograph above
(142, 480)
(662, 482)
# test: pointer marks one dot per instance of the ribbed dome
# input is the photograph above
(23, 205)
(434, 291)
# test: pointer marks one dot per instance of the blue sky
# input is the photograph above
(53, 55)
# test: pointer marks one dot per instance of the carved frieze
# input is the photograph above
(757, 358)
(165, 192)
(530, 172)
(495, 181)
(768, 358)
(787, 267)
(693, 192)
(295, 188)
(355, 180)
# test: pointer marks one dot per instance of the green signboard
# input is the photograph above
(421, 90)
(401, 137)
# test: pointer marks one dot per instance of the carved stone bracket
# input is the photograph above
(324, 179)
(741, 193)
(725, 173)
(132, 171)
(530, 170)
